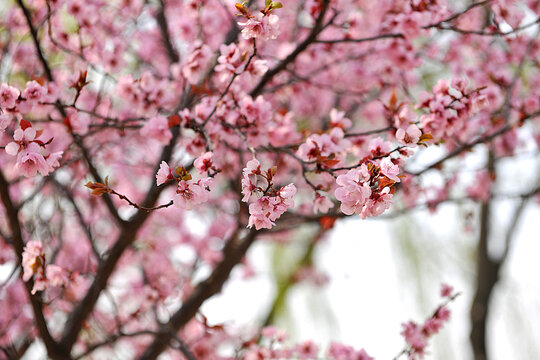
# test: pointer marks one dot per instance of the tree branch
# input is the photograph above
(12, 213)
(233, 253)
(315, 31)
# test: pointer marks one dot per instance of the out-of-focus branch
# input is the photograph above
(459, 150)
(487, 275)
(164, 29)
(315, 31)
(12, 212)
(233, 252)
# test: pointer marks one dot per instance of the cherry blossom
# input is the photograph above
(164, 173)
(174, 135)
(261, 26)
(8, 96)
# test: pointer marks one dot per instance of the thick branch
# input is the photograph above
(487, 275)
(12, 213)
(164, 29)
(233, 253)
(292, 56)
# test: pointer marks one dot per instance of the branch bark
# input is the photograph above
(234, 251)
(53, 349)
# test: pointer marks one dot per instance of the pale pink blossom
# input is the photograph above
(164, 173)
(157, 128)
(259, 220)
(204, 162)
(190, 193)
(322, 204)
(410, 137)
(33, 92)
(261, 26)
(307, 350)
(57, 276)
(4, 121)
(197, 63)
(40, 284)
(30, 161)
(248, 187)
(353, 191)
(446, 290)
(389, 169)
(8, 96)
(378, 203)
(338, 119)
(32, 258)
(379, 147)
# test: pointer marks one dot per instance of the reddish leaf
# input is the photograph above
(25, 124)
(327, 222)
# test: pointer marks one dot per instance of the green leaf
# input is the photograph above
(276, 5)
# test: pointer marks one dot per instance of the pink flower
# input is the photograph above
(248, 187)
(261, 26)
(259, 220)
(30, 161)
(307, 350)
(267, 209)
(389, 169)
(411, 136)
(286, 193)
(379, 147)
(40, 284)
(190, 193)
(4, 121)
(33, 92)
(353, 191)
(249, 178)
(32, 258)
(164, 173)
(197, 62)
(253, 166)
(157, 128)
(8, 96)
(57, 276)
(22, 139)
(322, 204)
(378, 203)
(230, 61)
(204, 162)
(338, 119)
(414, 337)
(446, 290)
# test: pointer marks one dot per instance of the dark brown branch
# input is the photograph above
(487, 275)
(165, 36)
(361, 40)
(234, 251)
(136, 206)
(12, 212)
(125, 239)
(465, 147)
(315, 31)
(33, 32)
(78, 141)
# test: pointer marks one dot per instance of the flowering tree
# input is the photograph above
(123, 122)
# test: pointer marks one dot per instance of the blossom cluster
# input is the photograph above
(278, 348)
(417, 335)
(189, 192)
(31, 153)
(271, 203)
(44, 275)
